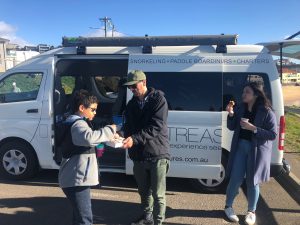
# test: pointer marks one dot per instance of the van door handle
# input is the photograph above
(32, 111)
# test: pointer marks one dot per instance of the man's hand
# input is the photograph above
(128, 143)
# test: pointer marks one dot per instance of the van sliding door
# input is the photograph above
(193, 89)
(102, 75)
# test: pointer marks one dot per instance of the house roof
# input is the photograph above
(3, 40)
(286, 70)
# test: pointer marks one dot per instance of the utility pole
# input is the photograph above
(112, 30)
(105, 20)
(108, 25)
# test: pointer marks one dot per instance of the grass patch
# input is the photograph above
(292, 136)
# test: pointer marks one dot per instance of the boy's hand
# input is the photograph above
(114, 127)
(128, 143)
(116, 136)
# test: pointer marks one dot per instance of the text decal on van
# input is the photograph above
(232, 60)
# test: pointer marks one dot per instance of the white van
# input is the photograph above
(198, 74)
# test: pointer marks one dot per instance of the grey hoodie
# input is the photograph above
(82, 170)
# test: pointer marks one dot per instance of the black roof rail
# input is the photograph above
(148, 42)
(293, 36)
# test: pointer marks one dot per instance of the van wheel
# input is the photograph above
(18, 161)
(212, 185)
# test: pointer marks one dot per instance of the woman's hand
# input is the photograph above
(247, 126)
(229, 108)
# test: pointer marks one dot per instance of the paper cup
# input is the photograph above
(244, 120)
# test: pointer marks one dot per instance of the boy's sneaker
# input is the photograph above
(250, 218)
(144, 220)
(231, 215)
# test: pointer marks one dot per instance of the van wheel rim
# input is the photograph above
(14, 162)
(210, 183)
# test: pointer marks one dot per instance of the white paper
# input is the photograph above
(116, 143)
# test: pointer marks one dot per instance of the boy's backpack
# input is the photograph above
(62, 135)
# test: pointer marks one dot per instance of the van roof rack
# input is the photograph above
(148, 42)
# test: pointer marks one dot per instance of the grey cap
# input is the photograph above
(134, 77)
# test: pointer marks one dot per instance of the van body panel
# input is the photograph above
(16, 116)
(203, 129)
(44, 137)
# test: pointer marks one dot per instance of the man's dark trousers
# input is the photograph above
(151, 180)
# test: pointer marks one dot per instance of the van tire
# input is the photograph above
(213, 186)
(17, 161)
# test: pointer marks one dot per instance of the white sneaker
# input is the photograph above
(231, 215)
(250, 218)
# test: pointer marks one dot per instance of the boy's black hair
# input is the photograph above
(83, 97)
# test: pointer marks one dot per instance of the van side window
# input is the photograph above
(189, 91)
(233, 84)
(20, 87)
(68, 84)
(108, 86)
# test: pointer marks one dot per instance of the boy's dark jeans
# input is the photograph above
(151, 180)
(80, 200)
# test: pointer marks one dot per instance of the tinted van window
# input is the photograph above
(20, 87)
(108, 86)
(233, 84)
(68, 84)
(189, 91)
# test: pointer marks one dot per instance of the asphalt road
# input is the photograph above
(41, 202)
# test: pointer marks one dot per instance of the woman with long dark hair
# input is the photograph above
(255, 127)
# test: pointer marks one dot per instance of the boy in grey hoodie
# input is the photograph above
(79, 172)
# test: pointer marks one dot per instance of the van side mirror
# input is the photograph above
(2, 98)
(2, 83)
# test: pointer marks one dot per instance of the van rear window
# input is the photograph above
(198, 91)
